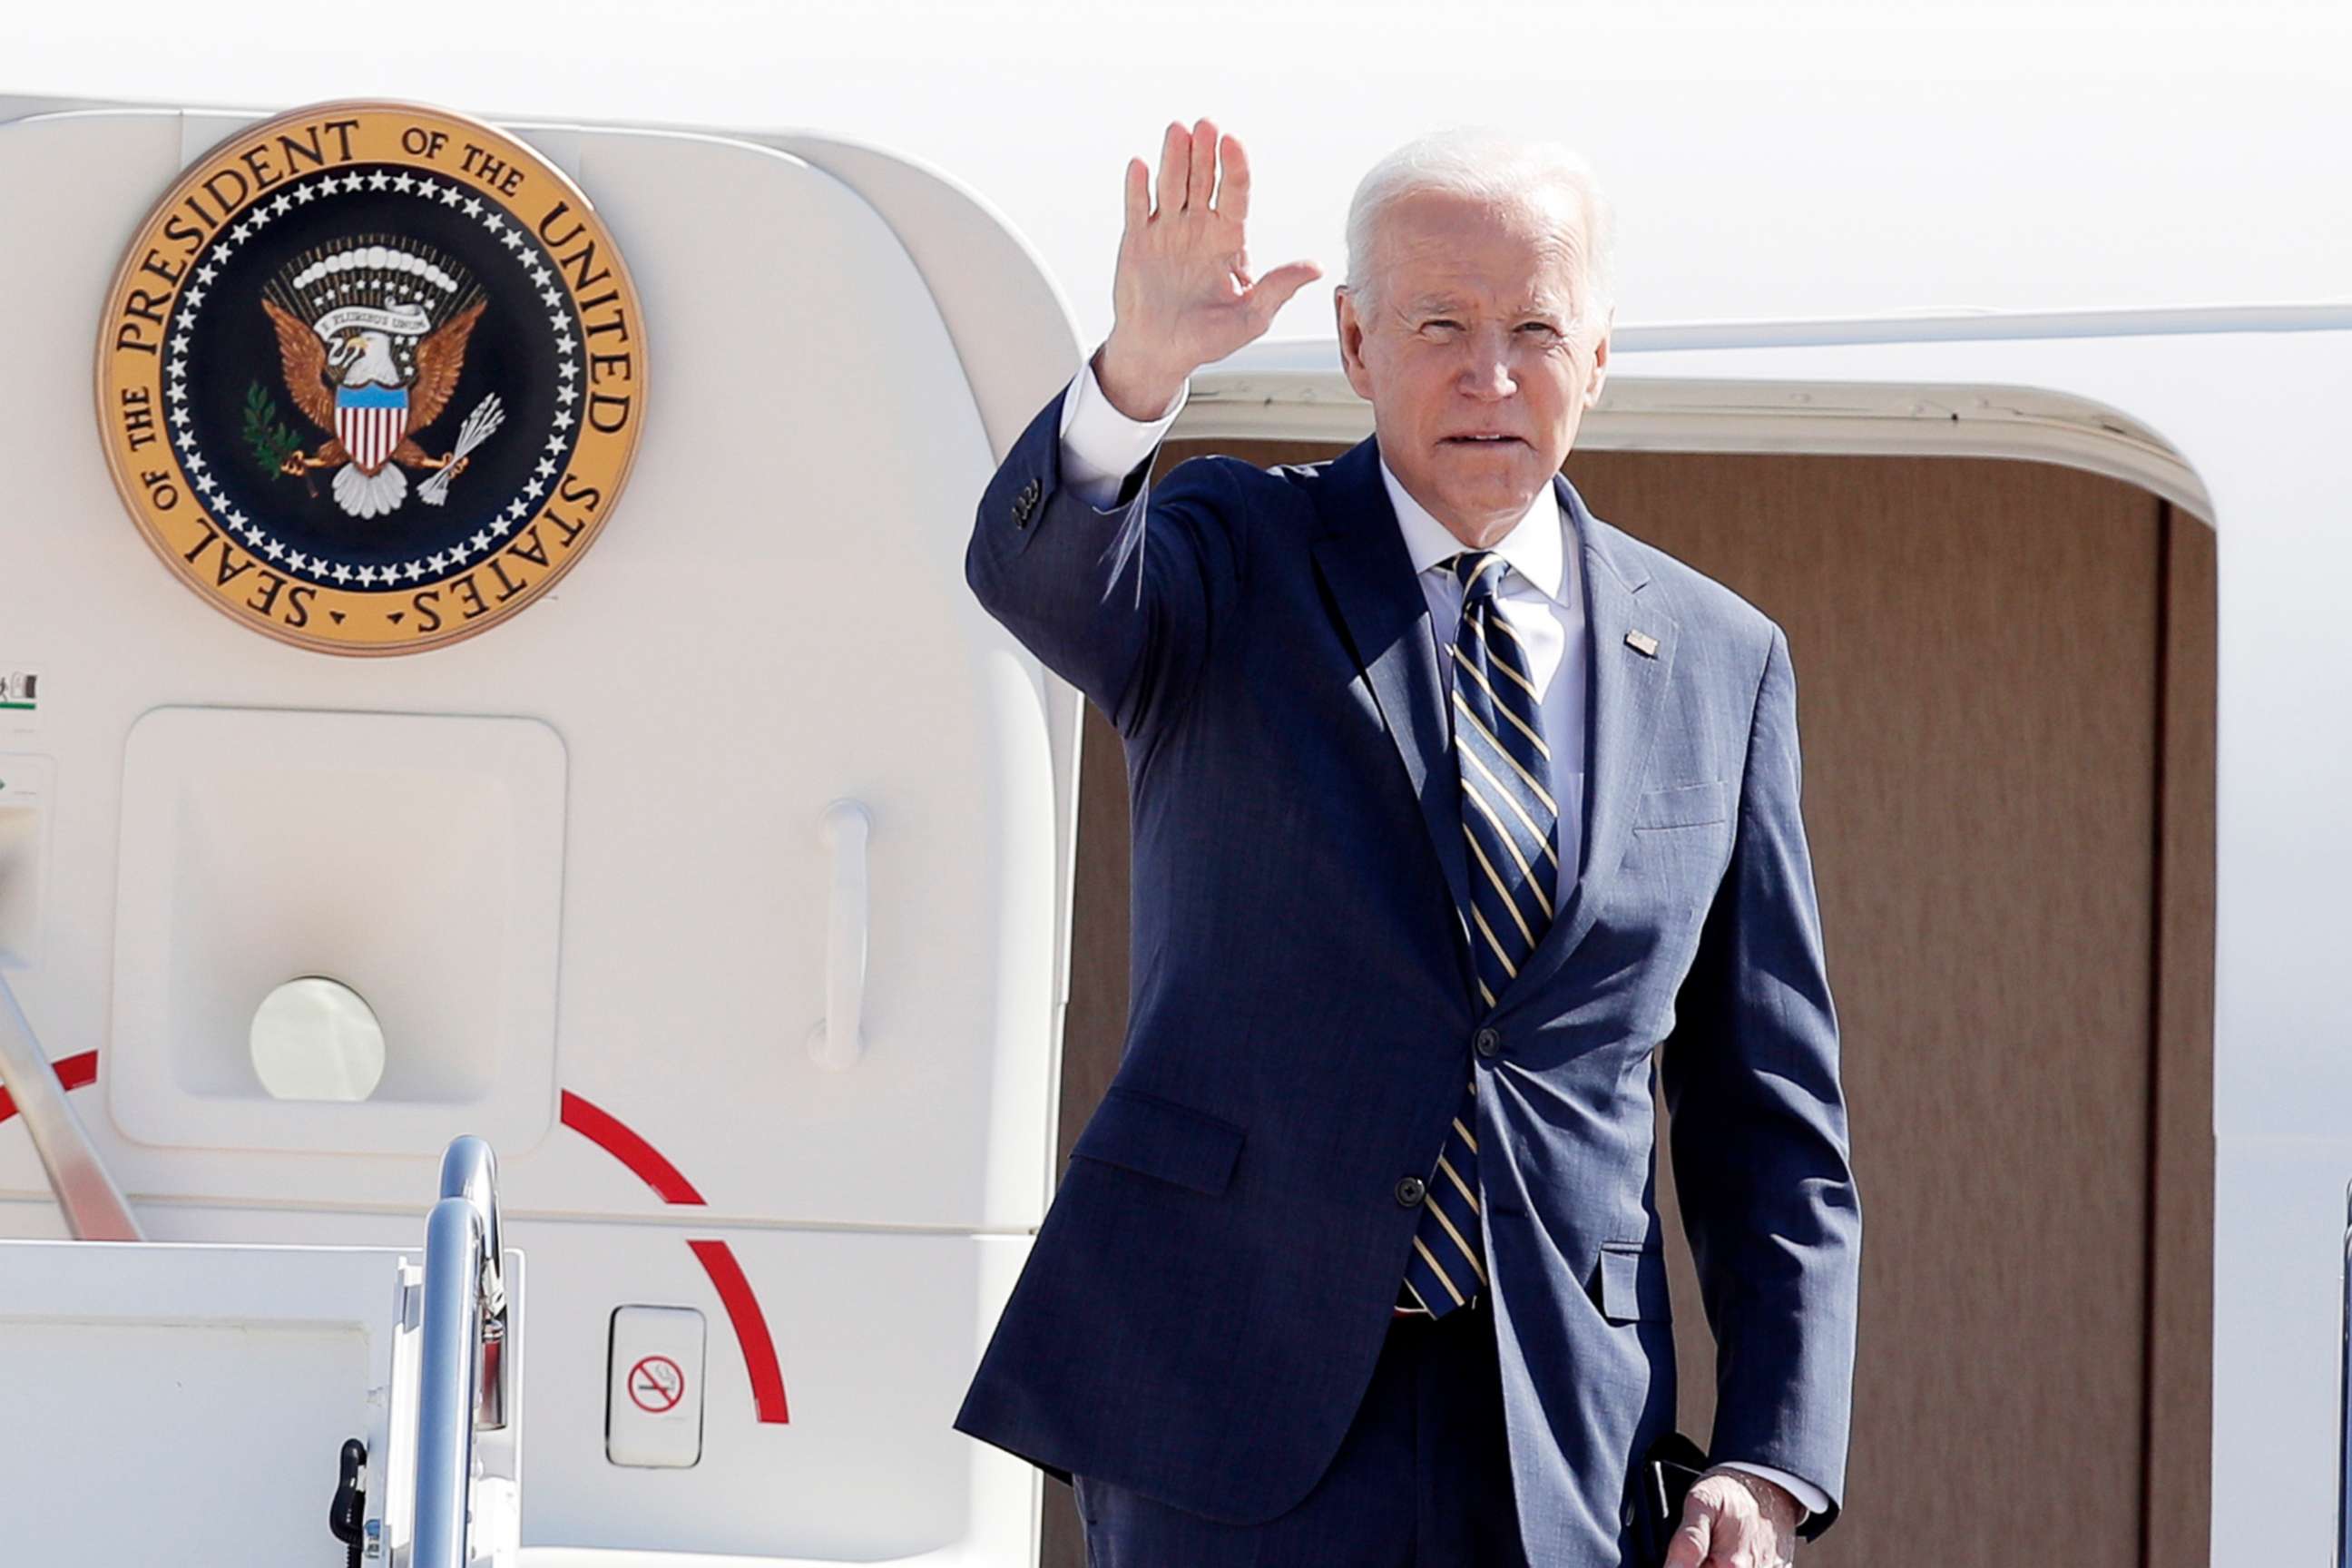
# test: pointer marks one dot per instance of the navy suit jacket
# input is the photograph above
(1210, 1286)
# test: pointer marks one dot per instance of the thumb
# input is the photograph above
(1272, 291)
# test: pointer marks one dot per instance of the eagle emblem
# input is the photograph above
(371, 335)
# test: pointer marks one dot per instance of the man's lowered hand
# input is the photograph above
(1732, 1519)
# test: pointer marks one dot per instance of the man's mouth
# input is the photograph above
(1482, 439)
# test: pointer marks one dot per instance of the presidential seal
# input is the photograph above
(371, 377)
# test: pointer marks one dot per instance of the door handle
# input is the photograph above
(839, 1040)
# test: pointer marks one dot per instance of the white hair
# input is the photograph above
(1468, 161)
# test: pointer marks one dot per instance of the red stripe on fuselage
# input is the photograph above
(718, 1260)
(73, 1072)
(605, 1130)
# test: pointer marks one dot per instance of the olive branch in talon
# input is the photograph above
(267, 438)
(487, 416)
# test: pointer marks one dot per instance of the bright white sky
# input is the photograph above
(1766, 161)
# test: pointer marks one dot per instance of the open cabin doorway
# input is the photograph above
(2005, 675)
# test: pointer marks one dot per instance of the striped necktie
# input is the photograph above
(1509, 816)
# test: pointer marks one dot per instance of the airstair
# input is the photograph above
(274, 1405)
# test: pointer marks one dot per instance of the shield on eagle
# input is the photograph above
(370, 421)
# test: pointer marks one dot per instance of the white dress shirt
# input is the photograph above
(1541, 596)
(1541, 599)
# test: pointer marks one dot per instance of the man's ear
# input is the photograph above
(1600, 361)
(1351, 341)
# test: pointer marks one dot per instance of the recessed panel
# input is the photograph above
(415, 859)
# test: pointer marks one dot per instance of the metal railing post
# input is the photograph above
(445, 1412)
(469, 1170)
(92, 1204)
(462, 1381)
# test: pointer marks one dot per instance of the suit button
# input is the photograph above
(1411, 1191)
(1487, 1042)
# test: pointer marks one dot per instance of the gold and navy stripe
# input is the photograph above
(1509, 817)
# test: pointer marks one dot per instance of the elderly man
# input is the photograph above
(1461, 822)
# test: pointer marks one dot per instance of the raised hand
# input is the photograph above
(1183, 296)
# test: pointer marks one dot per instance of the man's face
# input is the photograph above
(1476, 351)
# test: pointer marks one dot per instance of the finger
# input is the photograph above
(1202, 172)
(1272, 291)
(1175, 148)
(1232, 191)
(1689, 1548)
(1138, 196)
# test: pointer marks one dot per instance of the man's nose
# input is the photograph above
(1488, 373)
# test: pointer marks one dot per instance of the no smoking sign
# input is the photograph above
(655, 1384)
(652, 1387)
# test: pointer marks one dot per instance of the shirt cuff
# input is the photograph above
(1101, 445)
(1810, 1499)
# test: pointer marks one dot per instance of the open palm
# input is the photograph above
(1183, 295)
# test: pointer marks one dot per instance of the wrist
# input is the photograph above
(1138, 387)
(1769, 1494)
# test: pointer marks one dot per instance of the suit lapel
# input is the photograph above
(1361, 557)
(1623, 694)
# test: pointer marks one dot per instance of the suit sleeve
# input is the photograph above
(1757, 1129)
(1122, 601)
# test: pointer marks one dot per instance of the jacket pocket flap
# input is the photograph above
(1682, 806)
(1634, 1283)
(1160, 1138)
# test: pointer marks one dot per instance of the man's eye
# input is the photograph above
(1439, 324)
(1545, 327)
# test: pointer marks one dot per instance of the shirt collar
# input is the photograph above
(1534, 548)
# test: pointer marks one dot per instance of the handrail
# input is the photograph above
(92, 1204)
(469, 1170)
(839, 1040)
(462, 1357)
(447, 1388)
